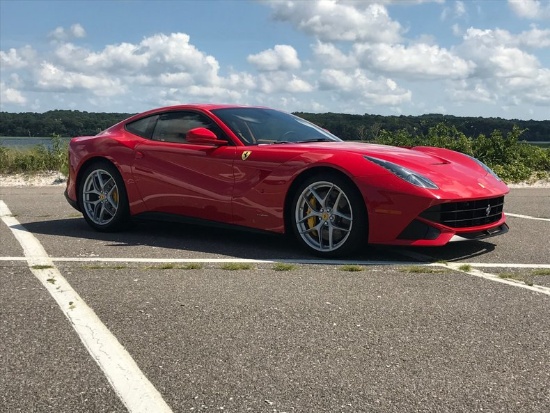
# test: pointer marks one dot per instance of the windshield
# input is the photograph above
(257, 126)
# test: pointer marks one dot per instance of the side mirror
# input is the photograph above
(203, 136)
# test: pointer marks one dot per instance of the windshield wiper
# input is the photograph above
(315, 140)
(303, 141)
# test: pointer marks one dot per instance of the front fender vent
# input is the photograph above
(466, 214)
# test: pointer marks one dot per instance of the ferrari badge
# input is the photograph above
(245, 155)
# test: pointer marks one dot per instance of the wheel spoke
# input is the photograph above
(317, 228)
(313, 214)
(330, 237)
(317, 197)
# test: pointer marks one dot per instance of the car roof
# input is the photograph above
(200, 106)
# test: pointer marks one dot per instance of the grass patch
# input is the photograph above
(105, 267)
(465, 267)
(166, 266)
(510, 276)
(41, 267)
(542, 271)
(236, 266)
(174, 266)
(281, 266)
(36, 159)
(192, 266)
(517, 277)
(351, 268)
(419, 269)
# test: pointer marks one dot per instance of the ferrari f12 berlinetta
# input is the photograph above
(264, 169)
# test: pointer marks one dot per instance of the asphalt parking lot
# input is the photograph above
(181, 318)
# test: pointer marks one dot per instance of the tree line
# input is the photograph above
(69, 123)
(369, 127)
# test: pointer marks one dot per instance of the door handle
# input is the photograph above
(139, 155)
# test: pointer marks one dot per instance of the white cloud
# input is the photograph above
(60, 34)
(332, 20)
(53, 78)
(495, 54)
(505, 74)
(281, 57)
(417, 61)
(17, 58)
(78, 31)
(471, 91)
(534, 38)
(457, 10)
(10, 95)
(330, 56)
(11, 60)
(276, 82)
(531, 9)
(361, 87)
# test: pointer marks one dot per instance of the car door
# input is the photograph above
(176, 177)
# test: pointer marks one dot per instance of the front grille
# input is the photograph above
(467, 213)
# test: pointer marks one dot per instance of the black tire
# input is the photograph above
(328, 216)
(102, 197)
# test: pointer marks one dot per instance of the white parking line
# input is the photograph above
(276, 260)
(460, 266)
(508, 214)
(494, 277)
(127, 380)
(457, 266)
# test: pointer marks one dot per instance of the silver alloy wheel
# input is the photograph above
(100, 197)
(324, 216)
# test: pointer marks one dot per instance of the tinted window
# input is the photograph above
(264, 126)
(142, 127)
(173, 126)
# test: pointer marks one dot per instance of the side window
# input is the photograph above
(173, 126)
(143, 127)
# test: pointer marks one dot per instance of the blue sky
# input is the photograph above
(463, 58)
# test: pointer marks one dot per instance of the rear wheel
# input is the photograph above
(102, 196)
(328, 216)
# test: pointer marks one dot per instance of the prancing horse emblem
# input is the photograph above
(488, 210)
(245, 155)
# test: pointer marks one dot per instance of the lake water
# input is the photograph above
(26, 142)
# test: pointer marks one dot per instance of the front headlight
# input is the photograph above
(487, 169)
(404, 173)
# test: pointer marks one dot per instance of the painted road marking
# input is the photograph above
(493, 277)
(276, 260)
(127, 380)
(425, 261)
(508, 214)
(459, 266)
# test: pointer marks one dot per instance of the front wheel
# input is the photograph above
(329, 217)
(102, 197)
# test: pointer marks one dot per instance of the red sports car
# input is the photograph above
(263, 169)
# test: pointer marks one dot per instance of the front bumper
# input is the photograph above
(473, 236)
(71, 202)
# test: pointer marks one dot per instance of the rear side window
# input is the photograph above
(173, 126)
(143, 127)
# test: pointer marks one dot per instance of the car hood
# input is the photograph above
(451, 171)
(400, 155)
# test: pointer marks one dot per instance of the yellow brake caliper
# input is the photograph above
(115, 196)
(311, 221)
